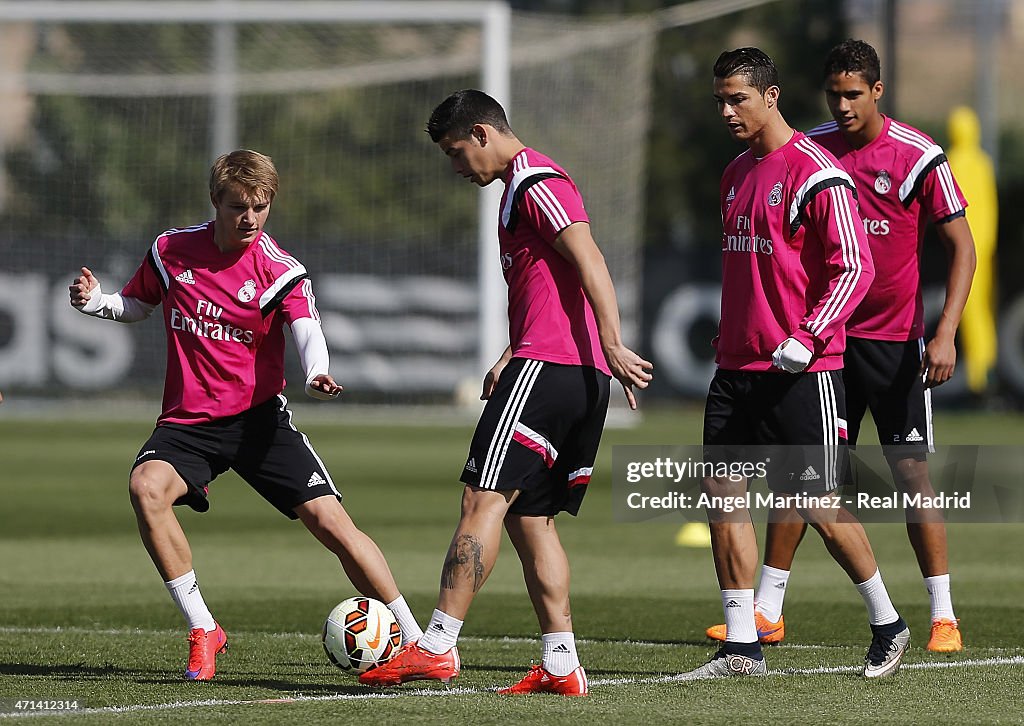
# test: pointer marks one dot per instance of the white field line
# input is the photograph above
(446, 692)
(822, 670)
(1016, 660)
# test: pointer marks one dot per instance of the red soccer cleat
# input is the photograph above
(539, 680)
(412, 663)
(203, 647)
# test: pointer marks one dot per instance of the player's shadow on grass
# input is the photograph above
(284, 688)
(65, 670)
(618, 641)
(519, 670)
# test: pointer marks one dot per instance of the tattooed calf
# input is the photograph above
(465, 561)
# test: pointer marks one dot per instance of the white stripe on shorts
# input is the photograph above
(507, 423)
(929, 431)
(830, 427)
(330, 482)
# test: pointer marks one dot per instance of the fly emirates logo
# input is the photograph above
(207, 324)
(745, 239)
(876, 227)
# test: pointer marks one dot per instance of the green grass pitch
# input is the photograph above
(83, 614)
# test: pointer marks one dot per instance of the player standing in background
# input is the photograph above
(794, 266)
(227, 291)
(902, 179)
(535, 444)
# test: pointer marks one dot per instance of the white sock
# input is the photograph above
(938, 592)
(880, 608)
(739, 616)
(406, 620)
(185, 593)
(441, 634)
(560, 658)
(771, 592)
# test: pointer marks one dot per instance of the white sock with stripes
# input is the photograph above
(881, 611)
(185, 593)
(771, 592)
(406, 620)
(739, 616)
(938, 593)
(560, 658)
(442, 633)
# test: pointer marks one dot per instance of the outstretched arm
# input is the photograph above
(576, 244)
(316, 360)
(89, 298)
(939, 359)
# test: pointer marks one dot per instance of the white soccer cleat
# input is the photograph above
(726, 665)
(888, 644)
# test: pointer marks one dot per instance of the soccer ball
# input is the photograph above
(359, 634)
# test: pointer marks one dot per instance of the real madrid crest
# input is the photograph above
(882, 182)
(247, 291)
(775, 198)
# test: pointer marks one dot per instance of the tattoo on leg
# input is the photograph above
(465, 558)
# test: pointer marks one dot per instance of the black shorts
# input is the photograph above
(539, 433)
(260, 444)
(885, 377)
(796, 423)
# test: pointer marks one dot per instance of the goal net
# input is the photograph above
(108, 129)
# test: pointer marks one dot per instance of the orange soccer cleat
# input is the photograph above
(539, 680)
(945, 636)
(412, 663)
(767, 631)
(203, 647)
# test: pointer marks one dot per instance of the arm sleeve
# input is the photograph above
(312, 346)
(941, 195)
(119, 307)
(832, 215)
(549, 204)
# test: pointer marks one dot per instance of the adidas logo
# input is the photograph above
(780, 586)
(560, 648)
(730, 196)
(185, 278)
(316, 480)
(809, 474)
(732, 604)
(914, 435)
(471, 465)
(195, 586)
(438, 627)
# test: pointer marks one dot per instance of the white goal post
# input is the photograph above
(493, 16)
(111, 112)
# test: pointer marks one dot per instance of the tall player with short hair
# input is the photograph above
(903, 181)
(794, 266)
(535, 444)
(227, 291)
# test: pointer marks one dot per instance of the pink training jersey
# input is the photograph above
(795, 262)
(902, 178)
(224, 314)
(550, 318)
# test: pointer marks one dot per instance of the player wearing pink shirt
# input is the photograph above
(904, 181)
(534, 447)
(227, 291)
(794, 266)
